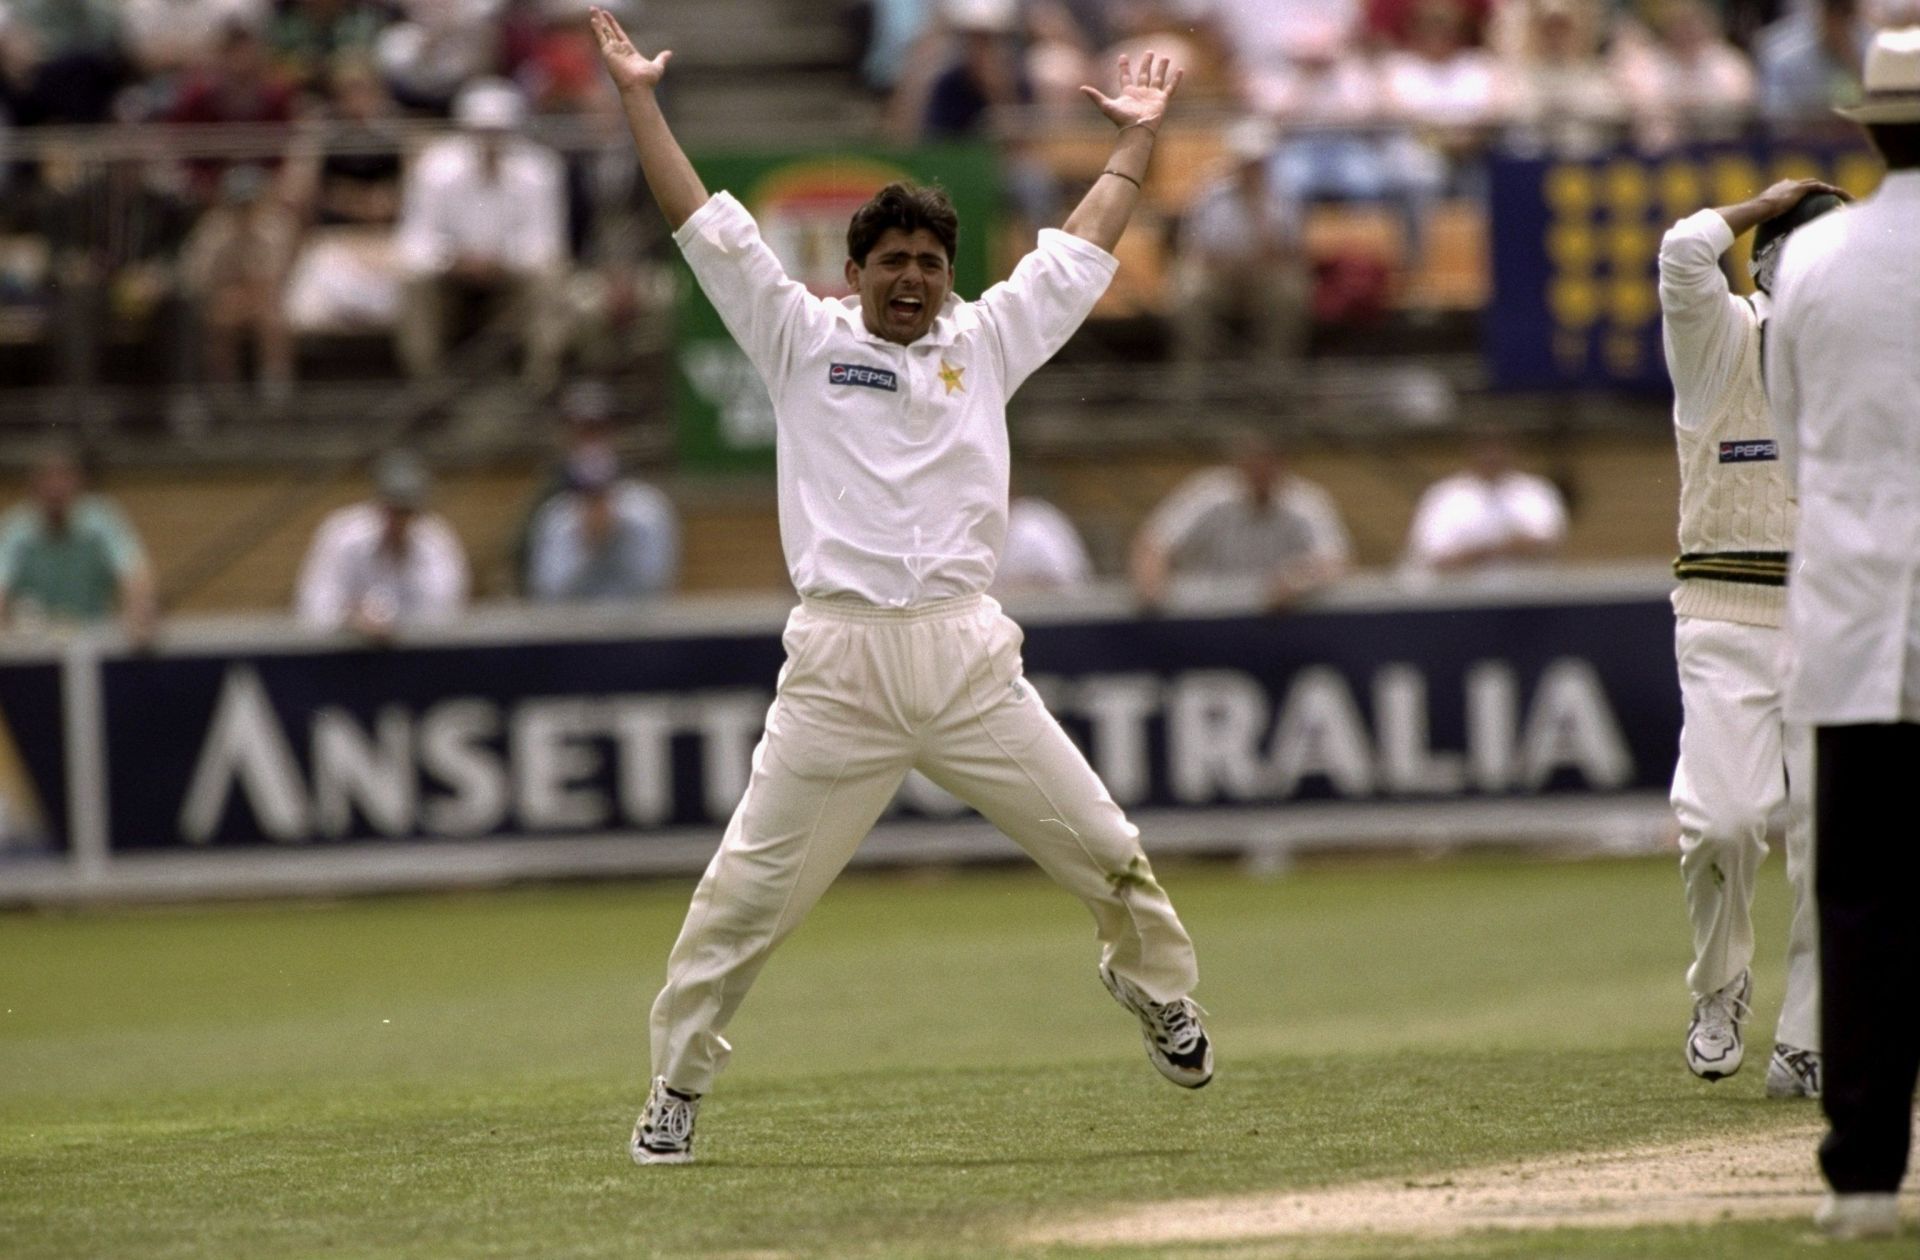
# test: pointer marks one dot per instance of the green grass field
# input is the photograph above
(926, 1067)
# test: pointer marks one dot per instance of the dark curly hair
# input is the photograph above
(907, 207)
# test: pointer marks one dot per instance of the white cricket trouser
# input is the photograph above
(1739, 761)
(866, 695)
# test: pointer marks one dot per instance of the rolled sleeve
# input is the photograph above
(766, 310)
(1046, 299)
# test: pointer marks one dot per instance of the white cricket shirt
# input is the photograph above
(892, 460)
(345, 567)
(1466, 512)
(1843, 366)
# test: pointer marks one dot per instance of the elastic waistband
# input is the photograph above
(843, 609)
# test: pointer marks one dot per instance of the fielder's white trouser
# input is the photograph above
(866, 695)
(1739, 762)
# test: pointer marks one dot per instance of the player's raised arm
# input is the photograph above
(671, 177)
(1137, 110)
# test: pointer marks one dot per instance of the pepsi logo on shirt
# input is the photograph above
(859, 374)
(1751, 451)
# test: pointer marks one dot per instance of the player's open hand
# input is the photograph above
(625, 64)
(1789, 193)
(1143, 95)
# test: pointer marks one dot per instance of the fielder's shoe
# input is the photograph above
(1713, 1039)
(1793, 1072)
(664, 1132)
(1176, 1040)
(1848, 1216)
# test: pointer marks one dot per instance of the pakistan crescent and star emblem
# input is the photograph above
(950, 377)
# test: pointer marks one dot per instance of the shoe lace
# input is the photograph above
(672, 1118)
(1177, 1025)
(1722, 1012)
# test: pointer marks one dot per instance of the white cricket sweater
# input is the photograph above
(1737, 513)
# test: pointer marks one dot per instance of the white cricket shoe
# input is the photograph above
(1714, 1049)
(1847, 1216)
(664, 1132)
(1793, 1072)
(1176, 1039)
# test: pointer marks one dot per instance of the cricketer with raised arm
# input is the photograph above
(892, 459)
(1740, 760)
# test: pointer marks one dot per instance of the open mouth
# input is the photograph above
(906, 309)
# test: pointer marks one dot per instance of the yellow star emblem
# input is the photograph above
(950, 377)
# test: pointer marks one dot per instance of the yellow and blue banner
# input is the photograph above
(1575, 249)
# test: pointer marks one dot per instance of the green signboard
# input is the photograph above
(802, 202)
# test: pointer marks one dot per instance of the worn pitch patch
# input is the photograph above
(1762, 1176)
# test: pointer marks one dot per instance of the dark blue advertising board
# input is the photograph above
(570, 737)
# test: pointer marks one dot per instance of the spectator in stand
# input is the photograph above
(559, 70)
(560, 66)
(1447, 88)
(113, 232)
(483, 221)
(60, 60)
(352, 175)
(378, 566)
(1332, 145)
(166, 37)
(70, 557)
(1809, 61)
(1563, 100)
(238, 86)
(1682, 81)
(1261, 35)
(605, 538)
(1487, 516)
(1057, 59)
(898, 28)
(588, 410)
(234, 267)
(986, 74)
(1255, 522)
(1043, 551)
(345, 179)
(440, 46)
(311, 37)
(1240, 262)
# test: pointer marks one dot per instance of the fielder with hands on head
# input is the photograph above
(891, 442)
(1739, 759)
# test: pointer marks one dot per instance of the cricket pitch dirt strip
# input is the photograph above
(1768, 1176)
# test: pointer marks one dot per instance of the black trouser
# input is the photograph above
(1867, 878)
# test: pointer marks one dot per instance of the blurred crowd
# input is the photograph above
(1428, 82)
(377, 171)
(1251, 531)
(331, 166)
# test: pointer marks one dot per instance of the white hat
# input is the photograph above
(981, 15)
(490, 105)
(1890, 89)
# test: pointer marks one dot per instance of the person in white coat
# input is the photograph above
(1739, 761)
(1843, 368)
(893, 462)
